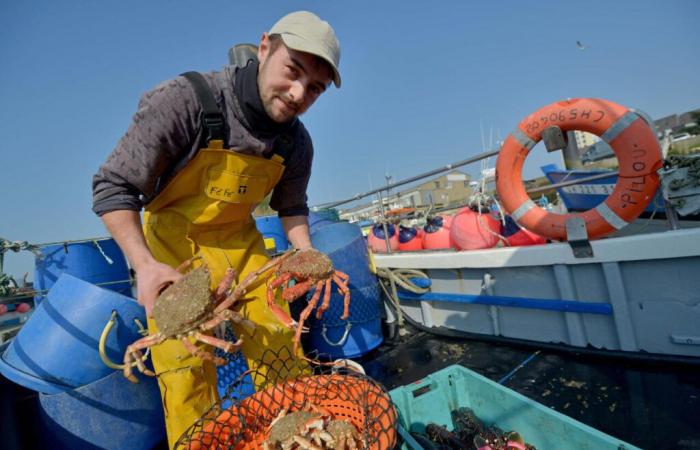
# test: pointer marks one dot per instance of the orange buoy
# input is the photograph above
(376, 241)
(523, 238)
(410, 239)
(517, 236)
(437, 233)
(471, 230)
(628, 134)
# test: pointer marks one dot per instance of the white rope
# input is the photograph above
(402, 277)
(107, 258)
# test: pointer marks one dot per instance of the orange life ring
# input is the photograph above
(631, 138)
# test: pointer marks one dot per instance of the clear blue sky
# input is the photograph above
(420, 79)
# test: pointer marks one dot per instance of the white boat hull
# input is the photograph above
(637, 294)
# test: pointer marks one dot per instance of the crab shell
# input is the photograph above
(185, 303)
(308, 264)
(342, 429)
(285, 428)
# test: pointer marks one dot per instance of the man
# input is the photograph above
(199, 180)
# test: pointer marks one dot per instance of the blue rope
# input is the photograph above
(518, 367)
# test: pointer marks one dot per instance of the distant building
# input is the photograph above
(675, 123)
(585, 139)
(452, 188)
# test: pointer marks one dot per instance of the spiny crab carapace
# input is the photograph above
(309, 268)
(188, 308)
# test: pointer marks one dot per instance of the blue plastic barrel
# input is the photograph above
(273, 233)
(98, 262)
(318, 220)
(344, 244)
(57, 348)
(110, 413)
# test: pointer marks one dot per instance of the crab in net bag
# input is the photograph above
(298, 405)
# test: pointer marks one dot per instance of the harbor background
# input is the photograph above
(422, 86)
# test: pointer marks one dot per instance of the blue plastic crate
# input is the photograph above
(432, 398)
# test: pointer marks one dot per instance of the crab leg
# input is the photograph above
(305, 443)
(296, 291)
(279, 313)
(343, 276)
(282, 413)
(305, 314)
(134, 350)
(224, 285)
(343, 288)
(201, 354)
(326, 300)
(240, 290)
(228, 347)
(232, 316)
(187, 263)
(325, 437)
(135, 355)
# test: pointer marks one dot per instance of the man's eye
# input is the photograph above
(292, 71)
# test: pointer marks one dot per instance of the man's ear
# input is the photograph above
(263, 48)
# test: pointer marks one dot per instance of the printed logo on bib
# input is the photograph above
(231, 187)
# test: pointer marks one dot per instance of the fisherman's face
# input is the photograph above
(289, 81)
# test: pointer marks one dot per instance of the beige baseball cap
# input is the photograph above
(306, 32)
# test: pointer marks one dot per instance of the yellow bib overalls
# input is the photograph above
(206, 210)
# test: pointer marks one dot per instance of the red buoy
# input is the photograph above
(517, 236)
(525, 237)
(23, 307)
(437, 233)
(410, 239)
(3, 309)
(471, 230)
(376, 241)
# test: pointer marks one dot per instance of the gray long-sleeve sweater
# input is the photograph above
(166, 133)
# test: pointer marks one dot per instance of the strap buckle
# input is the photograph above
(214, 123)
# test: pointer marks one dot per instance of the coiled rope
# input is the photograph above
(390, 278)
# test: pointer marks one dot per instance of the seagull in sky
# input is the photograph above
(580, 45)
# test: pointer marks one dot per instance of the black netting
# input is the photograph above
(239, 421)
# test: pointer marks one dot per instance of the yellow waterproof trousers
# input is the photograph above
(206, 211)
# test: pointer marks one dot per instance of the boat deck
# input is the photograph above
(650, 405)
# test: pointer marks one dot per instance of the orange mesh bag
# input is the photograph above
(343, 395)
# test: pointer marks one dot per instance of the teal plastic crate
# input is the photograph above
(432, 398)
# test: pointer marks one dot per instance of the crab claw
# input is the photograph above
(285, 318)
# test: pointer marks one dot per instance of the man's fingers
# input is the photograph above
(163, 287)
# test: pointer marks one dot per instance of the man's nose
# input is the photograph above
(297, 91)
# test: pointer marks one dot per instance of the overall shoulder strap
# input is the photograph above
(284, 146)
(211, 117)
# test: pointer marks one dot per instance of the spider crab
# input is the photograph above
(309, 268)
(310, 429)
(188, 308)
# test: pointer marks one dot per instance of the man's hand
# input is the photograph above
(151, 276)
(151, 280)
